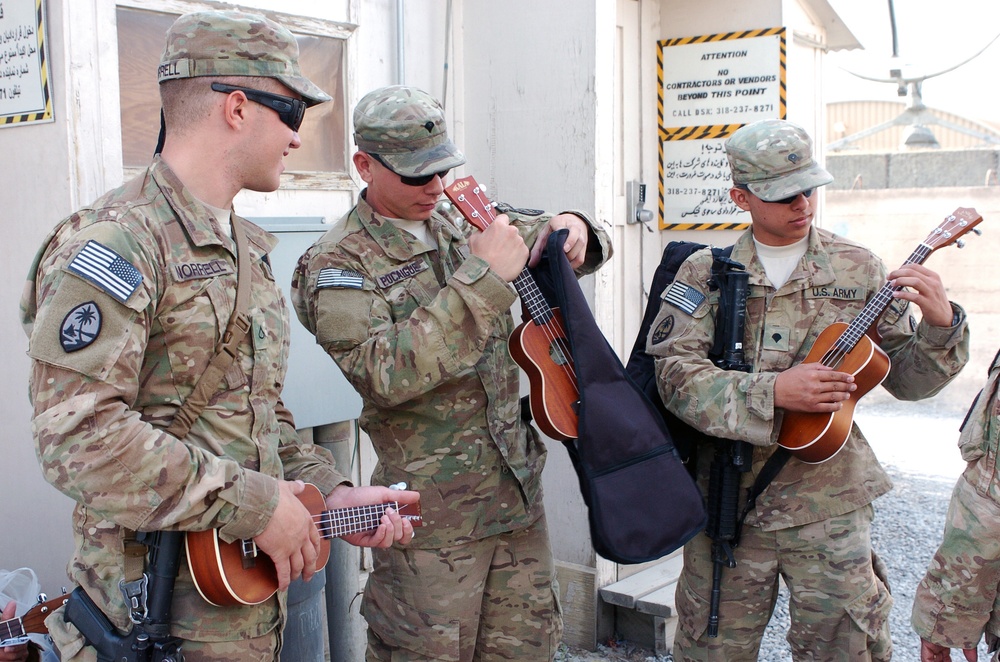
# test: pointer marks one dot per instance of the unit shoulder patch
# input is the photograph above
(80, 327)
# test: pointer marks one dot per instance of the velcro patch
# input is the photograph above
(197, 270)
(80, 327)
(107, 270)
(408, 270)
(331, 277)
(683, 296)
(663, 330)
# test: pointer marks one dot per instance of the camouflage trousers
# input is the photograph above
(72, 647)
(838, 604)
(486, 600)
(958, 599)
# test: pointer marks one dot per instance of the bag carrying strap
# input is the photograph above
(236, 331)
(188, 413)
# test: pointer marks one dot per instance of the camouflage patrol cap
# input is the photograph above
(405, 126)
(773, 158)
(234, 43)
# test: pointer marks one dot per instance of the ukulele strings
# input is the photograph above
(552, 330)
(344, 521)
(847, 341)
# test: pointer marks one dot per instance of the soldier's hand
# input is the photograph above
(812, 387)
(934, 653)
(392, 527)
(575, 245)
(501, 246)
(12, 653)
(291, 538)
(924, 288)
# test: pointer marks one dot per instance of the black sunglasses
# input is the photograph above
(792, 198)
(422, 180)
(290, 110)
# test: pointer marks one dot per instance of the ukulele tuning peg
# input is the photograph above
(960, 243)
(977, 231)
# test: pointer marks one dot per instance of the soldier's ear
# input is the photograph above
(741, 197)
(363, 163)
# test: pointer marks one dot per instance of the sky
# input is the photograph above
(931, 37)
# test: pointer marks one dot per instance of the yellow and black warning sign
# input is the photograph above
(25, 97)
(709, 86)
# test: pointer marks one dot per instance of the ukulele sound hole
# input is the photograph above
(556, 353)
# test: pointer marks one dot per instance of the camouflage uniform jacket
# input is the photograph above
(421, 332)
(100, 408)
(831, 283)
(959, 598)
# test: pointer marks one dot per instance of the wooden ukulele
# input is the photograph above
(236, 573)
(32, 621)
(539, 345)
(816, 437)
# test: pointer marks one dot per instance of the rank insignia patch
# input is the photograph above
(80, 327)
(107, 270)
(684, 297)
(331, 277)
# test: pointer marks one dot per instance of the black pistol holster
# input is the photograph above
(148, 598)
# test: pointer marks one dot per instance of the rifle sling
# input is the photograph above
(767, 473)
(188, 413)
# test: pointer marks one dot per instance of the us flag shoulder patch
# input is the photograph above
(683, 296)
(332, 277)
(107, 270)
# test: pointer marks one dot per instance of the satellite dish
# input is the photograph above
(916, 119)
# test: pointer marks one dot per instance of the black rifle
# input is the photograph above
(732, 457)
(149, 639)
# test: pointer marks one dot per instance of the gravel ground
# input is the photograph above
(919, 453)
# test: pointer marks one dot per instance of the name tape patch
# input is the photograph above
(331, 277)
(408, 270)
(107, 270)
(196, 270)
(684, 297)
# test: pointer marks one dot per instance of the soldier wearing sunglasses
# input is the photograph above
(414, 307)
(811, 525)
(126, 307)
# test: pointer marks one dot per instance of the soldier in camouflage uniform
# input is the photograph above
(125, 305)
(811, 525)
(958, 600)
(414, 307)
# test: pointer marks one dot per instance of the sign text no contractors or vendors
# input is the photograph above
(709, 87)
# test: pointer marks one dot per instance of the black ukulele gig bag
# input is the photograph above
(642, 502)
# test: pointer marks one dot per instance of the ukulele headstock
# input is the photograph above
(953, 228)
(471, 200)
(410, 511)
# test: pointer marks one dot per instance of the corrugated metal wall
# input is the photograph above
(846, 118)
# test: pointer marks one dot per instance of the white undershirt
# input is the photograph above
(223, 216)
(780, 261)
(418, 229)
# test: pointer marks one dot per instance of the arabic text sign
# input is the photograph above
(24, 80)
